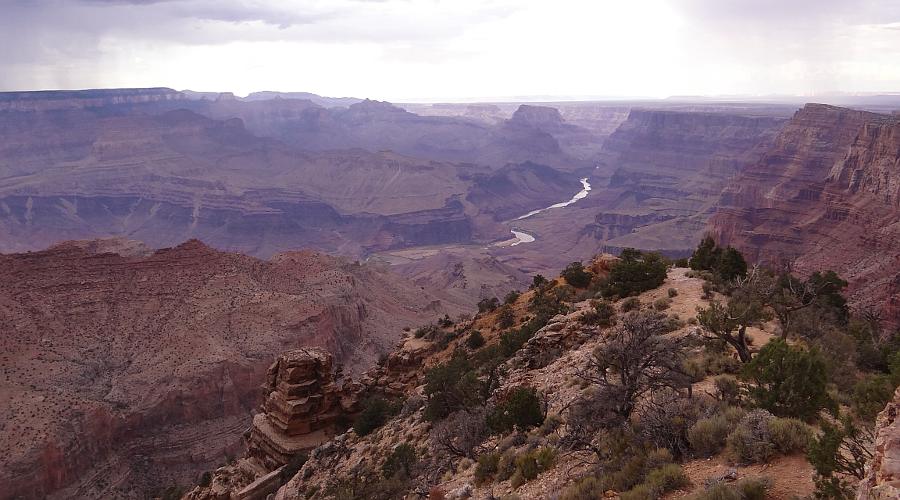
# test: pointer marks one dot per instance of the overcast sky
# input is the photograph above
(455, 49)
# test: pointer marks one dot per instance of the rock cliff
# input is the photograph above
(882, 481)
(124, 374)
(825, 196)
(302, 409)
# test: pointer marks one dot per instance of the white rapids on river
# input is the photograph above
(522, 237)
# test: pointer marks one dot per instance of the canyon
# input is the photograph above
(133, 362)
(127, 370)
(655, 185)
(164, 178)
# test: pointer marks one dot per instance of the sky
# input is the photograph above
(433, 50)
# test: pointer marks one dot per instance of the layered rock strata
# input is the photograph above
(301, 409)
(126, 373)
(305, 407)
(882, 481)
(825, 196)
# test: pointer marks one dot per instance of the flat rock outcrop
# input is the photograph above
(825, 196)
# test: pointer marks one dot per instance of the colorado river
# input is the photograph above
(522, 237)
(578, 196)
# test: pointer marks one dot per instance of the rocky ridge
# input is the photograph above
(551, 362)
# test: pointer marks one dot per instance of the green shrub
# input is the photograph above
(840, 451)
(293, 466)
(487, 467)
(719, 363)
(639, 492)
(695, 369)
(635, 272)
(532, 463)
(538, 281)
(752, 489)
(475, 340)
(512, 341)
(750, 441)
(662, 303)
(427, 332)
(707, 436)
(506, 467)
(505, 317)
(586, 488)
(760, 436)
(376, 412)
(631, 304)
(789, 381)
(667, 478)
(357, 487)
(517, 479)
(576, 276)
(727, 389)
(511, 297)
(789, 435)
(871, 394)
(726, 263)
(488, 304)
(745, 489)
(526, 466)
(672, 293)
(601, 315)
(551, 423)
(521, 408)
(451, 386)
(546, 458)
(400, 462)
(445, 322)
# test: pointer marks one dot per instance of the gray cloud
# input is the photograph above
(59, 43)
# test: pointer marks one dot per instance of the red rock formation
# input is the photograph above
(301, 410)
(825, 196)
(122, 374)
(882, 481)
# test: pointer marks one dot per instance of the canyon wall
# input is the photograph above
(658, 178)
(124, 374)
(94, 166)
(825, 196)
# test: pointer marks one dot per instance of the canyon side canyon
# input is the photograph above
(160, 249)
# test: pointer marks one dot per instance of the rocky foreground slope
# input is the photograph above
(825, 196)
(553, 361)
(126, 370)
